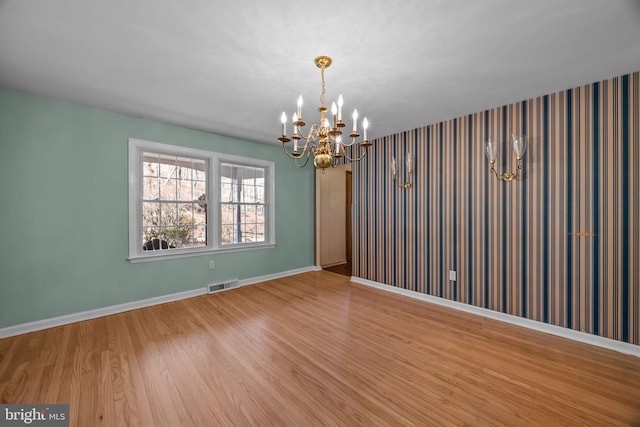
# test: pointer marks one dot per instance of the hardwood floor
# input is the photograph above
(315, 349)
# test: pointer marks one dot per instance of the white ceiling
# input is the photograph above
(232, 67)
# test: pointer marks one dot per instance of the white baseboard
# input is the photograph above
(120, 308)
(571, 334)
(260, 279)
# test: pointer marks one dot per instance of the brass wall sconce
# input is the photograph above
(519, 145)
(408, 173)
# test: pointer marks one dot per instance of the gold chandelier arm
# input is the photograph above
(349, 144)
(310, 142)
(306, 160)
(305, 151)
(291, 156)
(356, 159)
(312, 135)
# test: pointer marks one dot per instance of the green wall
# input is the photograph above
(64, 212)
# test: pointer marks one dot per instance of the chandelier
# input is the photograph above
(324, 140)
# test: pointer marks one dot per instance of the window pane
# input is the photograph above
(228, 214)
(167, 166)
(230, 220)
(186, 211)
(236, 192)
(199, 175)
(200, 213)
(156, 244)
(199, 190)
(150, 188)
(248, 176)
(150, 214)
(199, 167)
(259, 217)
(184, 167)
(259, 232)
(200, 235)
(148, 234)
(168, 188)
(237, 174)
(256, 194)
(184, 236)
(225, 172)
(184, 233)
(150, 165)
(228, 233)
(244, 193)
(168, 215)
(185, 189)
(248, 214)
(168, 237)
(225, 191)
(248, 232)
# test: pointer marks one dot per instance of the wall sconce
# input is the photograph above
(409, 171)
(519, 148)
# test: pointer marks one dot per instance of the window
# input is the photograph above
(185, 202)
(242, 204)
(174, 201)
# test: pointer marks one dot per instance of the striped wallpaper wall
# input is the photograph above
(560, 245)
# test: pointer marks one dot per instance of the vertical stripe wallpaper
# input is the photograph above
(560, 245)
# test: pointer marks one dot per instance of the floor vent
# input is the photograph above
(217, 287)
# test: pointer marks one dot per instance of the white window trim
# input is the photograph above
(136, 254)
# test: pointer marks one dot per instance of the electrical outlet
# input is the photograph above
(452, 275)
(212, 264)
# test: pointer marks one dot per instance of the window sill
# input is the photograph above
(172, 254)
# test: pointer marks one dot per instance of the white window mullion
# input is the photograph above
(214, 230)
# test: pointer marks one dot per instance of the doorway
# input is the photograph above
(334, 218)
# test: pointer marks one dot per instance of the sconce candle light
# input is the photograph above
(519, 148)
(408, 173)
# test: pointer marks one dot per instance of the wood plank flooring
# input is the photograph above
(315, 349)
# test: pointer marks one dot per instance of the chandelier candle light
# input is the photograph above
(324, 140)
